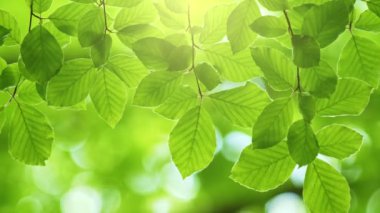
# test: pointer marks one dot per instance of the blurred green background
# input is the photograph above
(94, 168)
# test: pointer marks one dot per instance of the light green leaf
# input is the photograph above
(359, 60)
(275, 5)
(302, 143)
(234, 67)
(180, 58)
(10, 23)
(40, 6)
(263, 169)
(215, 27)
(143, 13)
(368, 21)
(109, 96)
(85, 1)
(181, 101)
(306, 105)
(155, 88)
(349, 92)
(177, 6)
(238, 31)
(325, 190)
(41, 54)
(207, 75)
(72, 84)
(272, 125)
(62, 38)
(278, 70)
(269, 26)
(124, 3)
(171, 19)
(27, 93)
(66, 18)
(128, 68)
(320, 81)
(241, 105)
(374, 6)
(91, 27)
(326, 22)
(30, 136)
(9, 76)
(339, 141)
(131, 34)
(306, 52)
(192, 142)
(100, 52)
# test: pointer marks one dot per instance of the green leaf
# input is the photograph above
(131, 34)
(9, 76)
(4, 32)
(177, 6)
(325, 190)
(302, 143)
(40, 6)
(154, 52)
(41, 54)
(359, 60)
(123, 3)
(27, 93)
(215, 27)
(306, 105)
(269, 26)
(100, 52)
(241, 105)
(30, 135)
(10, 23)
(238, 31)
(306, 52)
(326, 22)
(234, 67)
(349, 92)
(171, 19)
(275, 5)
(207, 75)
(91, 27)
(278, 70)
(374, 6)
(320, 81)
(109, 96)
(66, 18)
(128, 68)
(143, 13)
(180, 58)
(72, 84)
(62, 38)
(263, 169)
(86, 1)
(368, 21)
(272, 125)
(339, 141)
(192, 142)
(155, 88)
(181, 101)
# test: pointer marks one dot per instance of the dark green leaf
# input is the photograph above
(91, 27)
(306, 51)
(100, 52)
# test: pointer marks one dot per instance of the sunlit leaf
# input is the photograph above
(100, 52)
(269, 26)
(207, 75)
(306, 52)
(143, 13)
(91, 27)
(275, 5)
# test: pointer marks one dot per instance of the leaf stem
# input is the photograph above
(193, 46)
(106, 29)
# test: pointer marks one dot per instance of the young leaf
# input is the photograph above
(91, 27)
(368, 21)
(320, 81)
(144, 13)
(306, 52)
(41, 54)
(109, 95)
(101, 51)
(359, 60)
(40, 6)
(338, 141)
(277, 68)
(349, 92)
(275, 5)
(269, 26)
(128, 68)
(171, 19)
(192, 142)
(207, 75)
(30, 135)
(177, 6)
(306, 105)
(241, 105)
(27, 93)
(325, 190)
(10, 23)
(302, 143)
(234, 67)
(263, 169)
(326, 22)
(155, 88)
(123, 3)
(272, 125)
(131, 34)
(181, 101)
(66, 18)
(180, 58)
(72, 84)
(215, 27)
(238, 31)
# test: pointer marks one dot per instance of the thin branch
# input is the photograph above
(31, 16)
(193, 46)
(106, 29)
